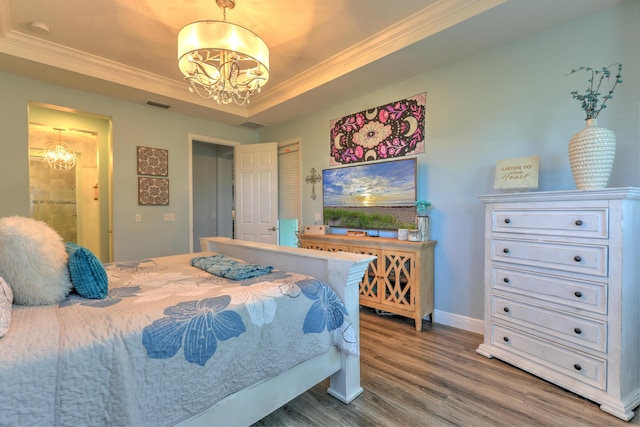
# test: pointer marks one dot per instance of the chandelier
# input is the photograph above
(59, 155)
(223, 61)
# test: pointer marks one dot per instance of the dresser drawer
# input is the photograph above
(579, 366)
(572, 293)
(589, 333)
(591, 223)
(576, 258)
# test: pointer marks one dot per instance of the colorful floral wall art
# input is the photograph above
(392, 130)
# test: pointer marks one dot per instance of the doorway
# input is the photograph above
(75, 201)
(211, 191)
(211, 195)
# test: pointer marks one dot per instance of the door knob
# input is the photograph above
(271, 229)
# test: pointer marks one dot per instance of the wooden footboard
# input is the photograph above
(343, 272)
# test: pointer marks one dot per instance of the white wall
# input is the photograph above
(510, 101)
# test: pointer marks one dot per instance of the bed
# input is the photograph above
(173, 344)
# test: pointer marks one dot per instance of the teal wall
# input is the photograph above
(132, 125)
(511, 101)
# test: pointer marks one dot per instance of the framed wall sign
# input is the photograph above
(517, 174)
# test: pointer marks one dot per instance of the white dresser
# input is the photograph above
(562, 290)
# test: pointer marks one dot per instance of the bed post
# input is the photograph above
(344, 385)
(343, 271)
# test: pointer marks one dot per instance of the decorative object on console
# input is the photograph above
(423, 228)
(223, 61)
(413, 236)
(33, 261)
(422, 220)
(421, 207)
(403, 234)
(392, 130)
(592, 150)
(313, 178)
(314, 229)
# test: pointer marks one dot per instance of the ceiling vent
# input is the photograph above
(252, 125)
(158, 104)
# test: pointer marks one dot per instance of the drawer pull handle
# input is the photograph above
(506, 280)
(577, 367)
(578, 294)
(505, 250)
(577, 258)
(507, 220)
(579, 222)
(506, 309)
(506, 339)
(577, 330)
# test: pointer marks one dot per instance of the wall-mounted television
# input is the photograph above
(381, 184)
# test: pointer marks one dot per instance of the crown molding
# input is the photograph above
(427, 22)
(54, 55)
(437, 17)
(5, 17)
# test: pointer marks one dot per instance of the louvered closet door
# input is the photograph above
(289, 211)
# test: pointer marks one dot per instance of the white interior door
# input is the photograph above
(256, 192)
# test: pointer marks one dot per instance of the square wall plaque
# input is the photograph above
(153, 191)
(153, 161)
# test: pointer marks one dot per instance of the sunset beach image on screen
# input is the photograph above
(391, 183)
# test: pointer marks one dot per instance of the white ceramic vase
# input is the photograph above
(591, 155)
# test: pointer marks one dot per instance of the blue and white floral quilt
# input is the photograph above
(169, 341)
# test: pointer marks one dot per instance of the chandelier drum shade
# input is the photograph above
(59, 155)
(223, 61)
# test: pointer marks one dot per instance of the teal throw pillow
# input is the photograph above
(87, 273)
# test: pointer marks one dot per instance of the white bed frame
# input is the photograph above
(343, 272)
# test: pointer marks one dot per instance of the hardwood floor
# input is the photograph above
(435, 378)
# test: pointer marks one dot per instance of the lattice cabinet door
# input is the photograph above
(332, 247)
(399, 279)
(371, 282)
(313, 245)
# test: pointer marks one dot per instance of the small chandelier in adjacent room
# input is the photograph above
(59, 155)
(223, 61)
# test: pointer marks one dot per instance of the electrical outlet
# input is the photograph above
(169, 217)
(138, 217)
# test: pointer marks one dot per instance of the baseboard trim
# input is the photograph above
(461, 322)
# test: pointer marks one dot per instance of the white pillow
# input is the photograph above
(33, 260)
(6, 299)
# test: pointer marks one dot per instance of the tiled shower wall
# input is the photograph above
(53, 194)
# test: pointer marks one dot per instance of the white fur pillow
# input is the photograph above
(33, 260)
(6, 299)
